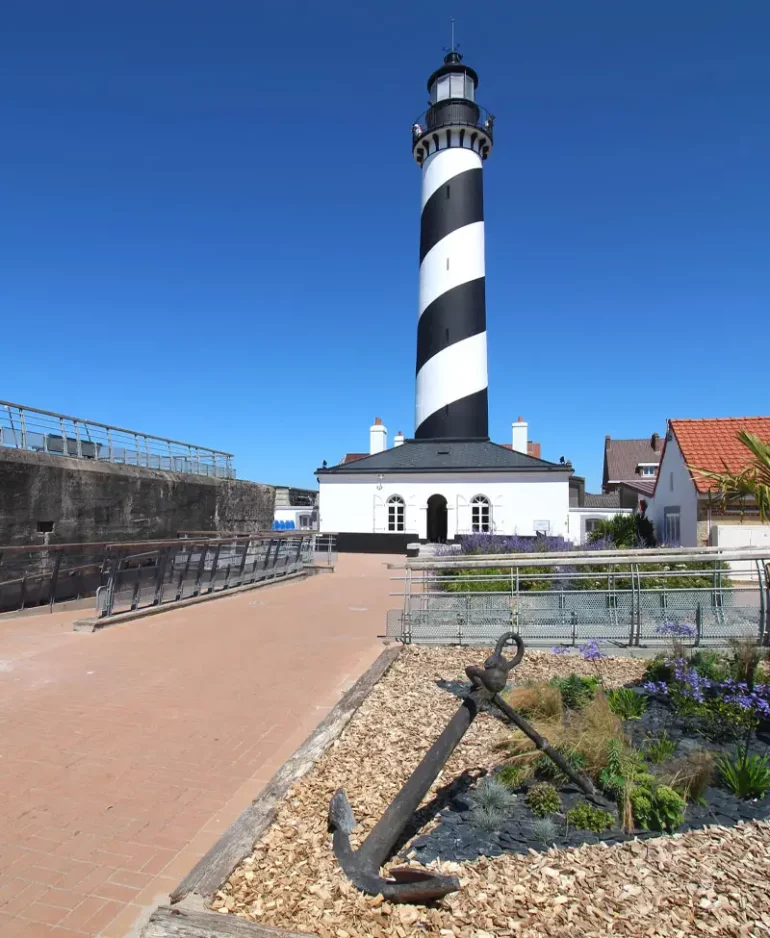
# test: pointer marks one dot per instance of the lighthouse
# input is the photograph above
(448, 480)
(451, 142)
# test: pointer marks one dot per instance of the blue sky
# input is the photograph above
(209, 217)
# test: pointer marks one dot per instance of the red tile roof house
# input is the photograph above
(682, 507)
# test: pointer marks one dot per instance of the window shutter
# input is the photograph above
(380, 513)
(463, 516)
(498, 515)
(412, 516)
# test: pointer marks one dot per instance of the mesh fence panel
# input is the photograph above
(622, 617)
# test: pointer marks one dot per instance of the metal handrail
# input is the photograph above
(153, 571)
(37, 430)
(601, 554)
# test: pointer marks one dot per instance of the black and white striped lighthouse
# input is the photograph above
(450, 142)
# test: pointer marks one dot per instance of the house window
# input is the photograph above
(671, 481)
(396, 510)
(671, 519)
(592, 524)
(481, 514)
(648, 469)
(305, 522)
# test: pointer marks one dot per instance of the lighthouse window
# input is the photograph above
(457, 86)
(396, 508)
(469, 89)
(441, 88)
(480, 514)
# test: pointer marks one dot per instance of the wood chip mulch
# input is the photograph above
(710, 882)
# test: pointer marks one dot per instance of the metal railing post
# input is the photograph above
(243, 561)
(767, 603)
(23, 430)
(160, 578)
(54, 580)
(698, 624)
(201, 569)
(214, 568)
(113, 565)
(137, 589)
(183, 575)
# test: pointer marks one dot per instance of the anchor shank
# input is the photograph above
(542, 743)
(379, 844)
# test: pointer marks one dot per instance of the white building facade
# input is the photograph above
(403, 503)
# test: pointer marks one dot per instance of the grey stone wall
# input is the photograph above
(89, 501)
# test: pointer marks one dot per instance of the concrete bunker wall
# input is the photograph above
(90, 501)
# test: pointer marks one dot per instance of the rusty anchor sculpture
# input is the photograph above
(362, 866)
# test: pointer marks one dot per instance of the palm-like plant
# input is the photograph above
(751, 483)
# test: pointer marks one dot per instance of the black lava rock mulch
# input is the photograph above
(456, 838)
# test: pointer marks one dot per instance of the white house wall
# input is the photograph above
(359, 504)
(675, 489)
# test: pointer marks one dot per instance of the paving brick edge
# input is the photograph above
(188, 916)
(96, 624)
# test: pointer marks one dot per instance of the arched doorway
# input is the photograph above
(437, 519)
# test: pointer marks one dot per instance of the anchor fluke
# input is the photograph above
(407, 884)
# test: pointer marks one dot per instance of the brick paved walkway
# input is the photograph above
(124, 754)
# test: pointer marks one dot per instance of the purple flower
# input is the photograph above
(656, 688)
(678, 629)
(560, 650)
(590, 650)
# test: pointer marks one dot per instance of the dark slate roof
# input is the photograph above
(446, 456)
(602, 501)
(643, 486)
(621, 457)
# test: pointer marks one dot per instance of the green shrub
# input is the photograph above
(710, 665)
(744, 659)
(658, 670)
(661, 809)
(511, 775)
(576, 691)
(586, 817)
(624, 768)
(658, 748)
(625, 531)
(626, 704)
(543, 799)
(744, 775)
(715, 719)
(546, 768)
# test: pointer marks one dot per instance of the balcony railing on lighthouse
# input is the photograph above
(455, 112)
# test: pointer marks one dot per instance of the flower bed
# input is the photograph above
(712, 877)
